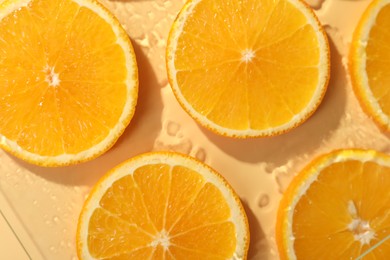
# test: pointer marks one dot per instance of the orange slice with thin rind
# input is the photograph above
(369, 62)
(337, 208)
(68, 80)
(248, 68)
(162, 205)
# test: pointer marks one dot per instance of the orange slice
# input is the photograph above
(248, 68)
(162, 206)
(338, 207)
(370, 62)
(68, 80)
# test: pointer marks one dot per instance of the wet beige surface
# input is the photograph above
(48, 201)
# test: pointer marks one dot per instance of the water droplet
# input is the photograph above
(53, 249)
(315, 4)
(53, 197)
(35, 202)
(263, 201)
(172, 128)
(56, 219)
(201, 154)
(269, 168)
(282, 181)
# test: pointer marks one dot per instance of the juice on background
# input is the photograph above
(48, 201)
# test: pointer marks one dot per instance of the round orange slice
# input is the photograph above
(337, 208)
(248, 68)
(68, 80)
(370, 62)
(162, 206)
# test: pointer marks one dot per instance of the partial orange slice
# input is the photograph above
(370, 62)
(248, 68)
(338, 207)
(162, 206)
(68, 80)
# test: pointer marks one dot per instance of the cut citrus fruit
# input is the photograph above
(248, 68)
(338, 207)
(162, 206)
(68, 78)
(369, 62)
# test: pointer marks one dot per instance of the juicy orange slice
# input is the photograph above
(68, 80)
(248, 68)
(370, 62)
(162, 206)
(337, 208)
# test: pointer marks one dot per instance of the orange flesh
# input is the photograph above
(278, 81)
(378, 59)
(160, 201)
(58, 39)
(321, 223)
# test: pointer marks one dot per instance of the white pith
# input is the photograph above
(360, 228)
(8, 7)
(297, 119)
(172, 159)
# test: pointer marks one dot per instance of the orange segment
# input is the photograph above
(369, 62)
(209, 207)
(69, 80)
(336, 208)
(198, 239)
(174, 206)
(248, 68)
(185, 187)
(154, 178)
(105, 228)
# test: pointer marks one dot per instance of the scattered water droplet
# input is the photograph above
(315, 4)
(201, 154)
(56, 219)
(282, 181)
(53, 249)
(35, 202)
(172, 128)
(263, 201)
(269, 168)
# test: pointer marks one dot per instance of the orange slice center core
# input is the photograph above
(162, 239)
(247, 55)
(361, 229)
(52, 78)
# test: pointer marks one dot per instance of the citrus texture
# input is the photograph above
(68, 78)
(337, 208)
(162, 205)
(248, 68)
